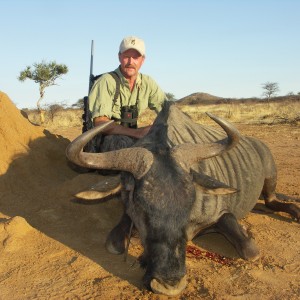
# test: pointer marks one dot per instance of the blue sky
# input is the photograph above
(225, 48)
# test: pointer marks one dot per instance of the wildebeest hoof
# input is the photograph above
(295, 212)
(249, 250)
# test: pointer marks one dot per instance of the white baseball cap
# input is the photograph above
(133, 42)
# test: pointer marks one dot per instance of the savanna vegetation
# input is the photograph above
(277, 110)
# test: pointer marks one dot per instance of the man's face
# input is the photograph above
(131, 61)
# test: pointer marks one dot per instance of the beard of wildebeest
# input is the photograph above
(163, 201)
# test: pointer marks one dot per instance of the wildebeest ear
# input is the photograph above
(210, 185)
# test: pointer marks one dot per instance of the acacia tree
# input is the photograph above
(45, 74)
(270, 89)
(170, 96)
(79, 103)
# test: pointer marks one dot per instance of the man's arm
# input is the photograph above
(119, 129)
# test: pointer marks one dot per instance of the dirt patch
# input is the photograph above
(53, 248)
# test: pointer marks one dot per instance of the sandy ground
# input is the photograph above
(53, 248)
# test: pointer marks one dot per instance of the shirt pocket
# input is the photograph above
(142, 104)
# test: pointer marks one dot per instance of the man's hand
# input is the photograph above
(119, 129)
(142, 131)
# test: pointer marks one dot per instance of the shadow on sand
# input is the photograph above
(39, 186)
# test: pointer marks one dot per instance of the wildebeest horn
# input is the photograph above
(134, 160)
(188, 154)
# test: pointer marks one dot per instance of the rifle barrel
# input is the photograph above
(91, 66)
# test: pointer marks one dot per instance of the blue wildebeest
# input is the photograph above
(181, 180)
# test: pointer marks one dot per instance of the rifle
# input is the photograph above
(87, 115)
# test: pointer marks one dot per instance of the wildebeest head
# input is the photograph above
(163, 194)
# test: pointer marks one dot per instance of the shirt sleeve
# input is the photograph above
(157, 96)
(101, 97)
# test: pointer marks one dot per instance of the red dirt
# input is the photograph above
(53, 248)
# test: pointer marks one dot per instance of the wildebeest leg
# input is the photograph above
(272, 202)
(115, 242)
(233, 231)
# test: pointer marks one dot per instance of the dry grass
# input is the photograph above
(63, 118)
(248, 112)
(284, 111)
